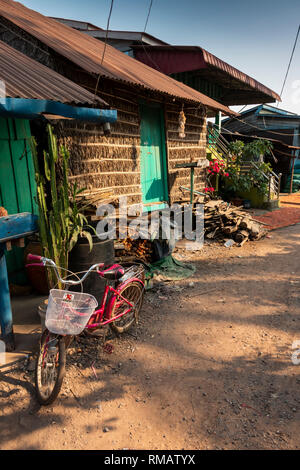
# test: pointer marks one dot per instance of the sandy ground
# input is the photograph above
(208, 367)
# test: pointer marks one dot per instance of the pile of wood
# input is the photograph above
(130, 250)
(225, 222)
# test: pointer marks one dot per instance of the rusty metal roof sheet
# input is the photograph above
(86, 52)
(23, 77)
(220, 64)
(196, 58)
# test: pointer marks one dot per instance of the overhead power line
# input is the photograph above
(142, 43)
(105, 44)
(107, 29)
(149, 11)
(262, 128)
(290, 62)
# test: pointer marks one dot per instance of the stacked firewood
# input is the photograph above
(225, 222)
(135, 249)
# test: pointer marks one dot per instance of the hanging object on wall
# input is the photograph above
(181, 124)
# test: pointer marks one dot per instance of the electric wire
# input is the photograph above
(105, 44)
(290, 62)
(149, 11)
(264, 128)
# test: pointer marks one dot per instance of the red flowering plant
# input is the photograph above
(215, 170)
(217, 167)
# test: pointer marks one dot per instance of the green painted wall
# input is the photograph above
(17, 183)
(153, 157)
(213, 90)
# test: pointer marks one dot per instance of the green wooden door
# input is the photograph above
(17, 183)
(153, 158)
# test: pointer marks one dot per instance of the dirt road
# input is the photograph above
(208, 367)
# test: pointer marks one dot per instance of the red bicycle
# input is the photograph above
(70, 313)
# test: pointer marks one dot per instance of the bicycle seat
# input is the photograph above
(112, 273)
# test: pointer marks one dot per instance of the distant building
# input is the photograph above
(124, 41)
(270, 122)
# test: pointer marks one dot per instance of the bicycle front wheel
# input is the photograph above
(134, 293)
(50, 368)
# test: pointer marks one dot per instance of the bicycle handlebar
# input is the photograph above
(50, 262)
(31, 257)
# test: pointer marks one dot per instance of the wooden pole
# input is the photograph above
(6, 320)
(292, 175)
(192, 187)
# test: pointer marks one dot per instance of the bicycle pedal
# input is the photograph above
(108, 348)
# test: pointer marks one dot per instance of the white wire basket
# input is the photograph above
(133, 271)
(69, 312)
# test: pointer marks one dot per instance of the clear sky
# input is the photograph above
(255, 36)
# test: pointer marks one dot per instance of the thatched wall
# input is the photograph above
(113, 162)
(185, 150)
(110, 162)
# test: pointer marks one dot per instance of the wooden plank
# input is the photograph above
(22, 129)
(7, 181)
(32, 182)
(19, 161)
(3, 129)
(13, 226)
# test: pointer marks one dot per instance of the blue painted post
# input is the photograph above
(6, 320)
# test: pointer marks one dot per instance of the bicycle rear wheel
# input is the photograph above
(50, 368)
(134, 293)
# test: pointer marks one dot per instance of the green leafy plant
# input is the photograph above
(236, 149)
(61, 221)
(256, 176)
(256, 149)
(78, 222)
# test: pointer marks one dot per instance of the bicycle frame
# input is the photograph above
(101, 316)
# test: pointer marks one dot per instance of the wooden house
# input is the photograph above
(281, 127)
(139, 157)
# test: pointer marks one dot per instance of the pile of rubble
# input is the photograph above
(225, 222)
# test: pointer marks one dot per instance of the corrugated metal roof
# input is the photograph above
(220, 64)
(85, 25)
(86, 52)
(23, 77)
(198, 58)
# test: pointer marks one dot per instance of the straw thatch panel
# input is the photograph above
(97, 161)
(189, 149)
(113, 161)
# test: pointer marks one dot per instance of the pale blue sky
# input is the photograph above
(255, 36)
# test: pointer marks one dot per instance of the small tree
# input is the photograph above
(256, 150)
